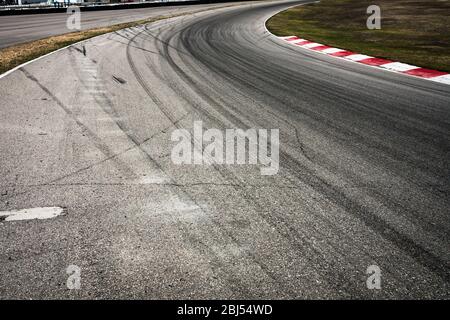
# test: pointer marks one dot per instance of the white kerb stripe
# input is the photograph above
(311, 45)
(357, 57)
(398, 66)
(332, 50)
(297, 41)
(442, 79)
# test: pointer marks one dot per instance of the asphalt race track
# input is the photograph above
(363, 179)
(16, 29)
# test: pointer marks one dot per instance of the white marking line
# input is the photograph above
(357, 57)
(33, 213)
(398, 66)
(332, 50)
(311, 45)
(442, 79)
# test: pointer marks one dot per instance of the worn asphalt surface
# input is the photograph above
(16, 29)
(363, 179)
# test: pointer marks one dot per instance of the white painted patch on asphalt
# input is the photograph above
(32, 213)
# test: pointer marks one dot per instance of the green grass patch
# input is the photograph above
(412, 31)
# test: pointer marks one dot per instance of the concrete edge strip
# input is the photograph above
(398, 67)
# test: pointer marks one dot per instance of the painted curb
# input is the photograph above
(398, 67)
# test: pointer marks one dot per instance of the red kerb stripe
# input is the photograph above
(375, 61)
(320, 48)
(425, 73)
(341, 54)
